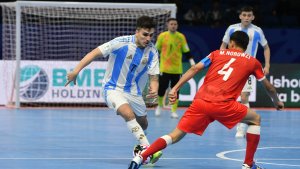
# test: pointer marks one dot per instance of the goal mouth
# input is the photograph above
(58, 34)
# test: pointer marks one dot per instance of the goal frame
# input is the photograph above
(19, 4)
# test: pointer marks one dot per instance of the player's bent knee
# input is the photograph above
(257, 119)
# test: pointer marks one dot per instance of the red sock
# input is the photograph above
(158, 145)
(252, 143)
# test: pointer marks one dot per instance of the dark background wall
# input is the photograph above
(279, 20)
(283, 42)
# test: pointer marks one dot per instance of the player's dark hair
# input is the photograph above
(240, 38)
(246, 9)
(145, 22)
(171, 19)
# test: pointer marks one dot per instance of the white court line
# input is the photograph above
(219, 155)
(222, 156)
(33, 158)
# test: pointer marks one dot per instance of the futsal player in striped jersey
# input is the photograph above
(132, 60)
(228, 71)
(256, 37)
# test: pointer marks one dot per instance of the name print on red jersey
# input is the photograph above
(233, 53)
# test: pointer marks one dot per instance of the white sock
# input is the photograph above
(242, 127)
(137, 132)
(167, 138)
(254, 129)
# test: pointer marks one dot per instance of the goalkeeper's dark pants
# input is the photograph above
(165, 80)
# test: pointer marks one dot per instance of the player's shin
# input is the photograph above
(160, 105)
(160, 144)
(174, 109)
(253, 137)
(137, 132)
(160, 101)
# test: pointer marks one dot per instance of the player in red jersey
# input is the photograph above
(216, 99)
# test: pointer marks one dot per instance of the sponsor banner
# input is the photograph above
(189, 90)
(284, 77)
(43, 81)
(286, 80)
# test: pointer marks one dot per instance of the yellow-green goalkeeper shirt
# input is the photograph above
(171, 47)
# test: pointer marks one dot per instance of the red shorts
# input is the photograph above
(201, 113)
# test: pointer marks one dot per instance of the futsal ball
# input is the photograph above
(139, 149)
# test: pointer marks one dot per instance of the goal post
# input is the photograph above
(42, 41)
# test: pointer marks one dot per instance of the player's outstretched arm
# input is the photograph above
(185, 77)
(273, 94)
(87, 59)
(153, 86)
(267, 54)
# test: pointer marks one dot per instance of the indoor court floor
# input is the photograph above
(96, 138)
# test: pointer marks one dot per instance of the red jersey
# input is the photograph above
(227, 75)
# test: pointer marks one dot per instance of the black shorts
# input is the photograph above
(165, 80)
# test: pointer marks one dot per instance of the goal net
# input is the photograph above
(43, 41)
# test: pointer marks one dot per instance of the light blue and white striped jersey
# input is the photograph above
(128, 65)
(255, 34)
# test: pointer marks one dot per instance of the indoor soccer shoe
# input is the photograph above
(133, 165)
(155, 157)
(254, 166)
(157, 111)
(136, 162)
(137, 149)
(174, 115)
(245, 166)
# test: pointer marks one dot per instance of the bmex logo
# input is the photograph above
(34, 82)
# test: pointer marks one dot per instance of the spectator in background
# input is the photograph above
(282, 8)
(195, 15)
(215, 15)
(230, 10)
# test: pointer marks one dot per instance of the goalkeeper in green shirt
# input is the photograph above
(171, 45)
